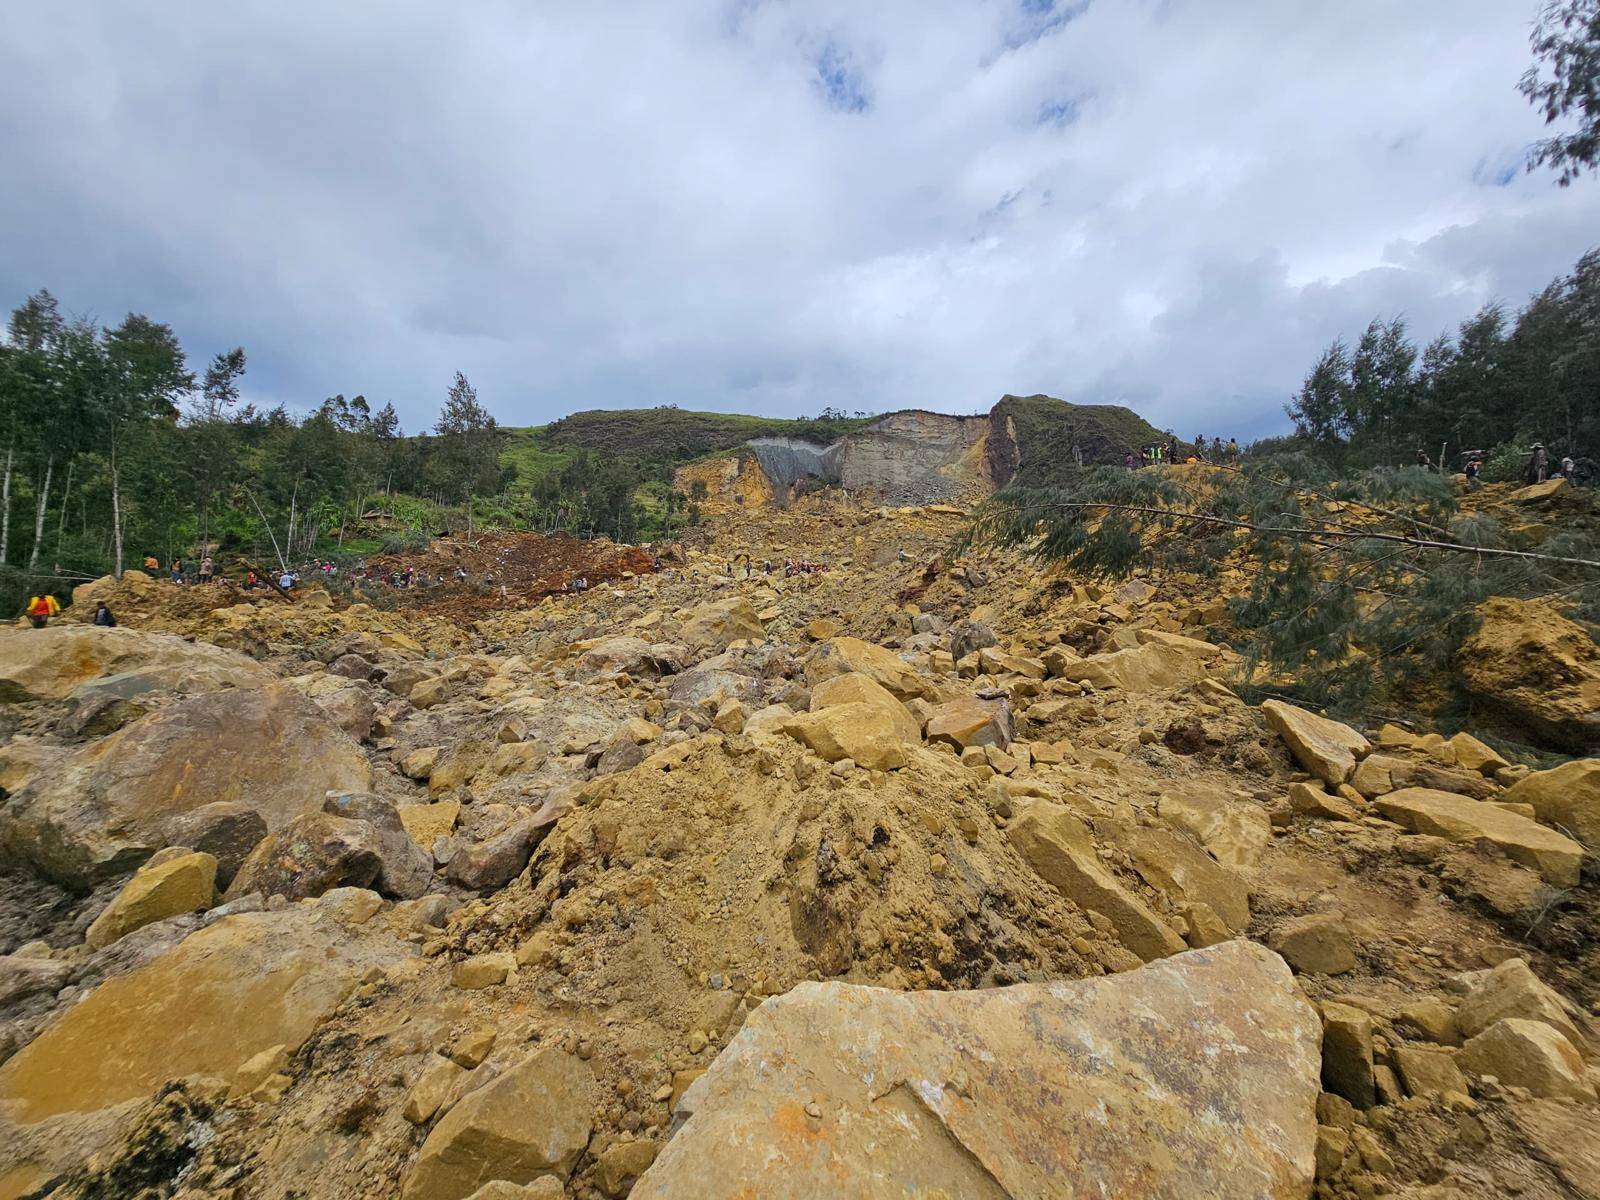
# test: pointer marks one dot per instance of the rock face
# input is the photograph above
(222, 996)
(855, 688)
(1538, 670)
(58, 662)
(970, 721)
(1446, 815)
(1326, 748)
(1567, 796)
(106, 809)
(534, 1120)
(1086, 1088)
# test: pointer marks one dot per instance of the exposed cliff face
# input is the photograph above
(923, 457)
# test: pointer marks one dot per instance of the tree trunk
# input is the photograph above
(5, 504)
(39, 511)
(116, 513)
(66, 498)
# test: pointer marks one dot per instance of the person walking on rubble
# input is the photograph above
(40, 609)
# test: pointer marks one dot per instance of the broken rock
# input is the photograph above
(1447, 815)
(1323, 747)
(534, 1120)
(1083, 1088)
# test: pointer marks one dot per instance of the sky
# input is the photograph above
(770, 207)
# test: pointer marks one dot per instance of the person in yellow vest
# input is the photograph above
(41, 609)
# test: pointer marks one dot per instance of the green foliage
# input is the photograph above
(1495, 384)
(1361, 589)
(1566, 40)
(1051, 434)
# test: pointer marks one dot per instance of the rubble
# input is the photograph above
(515, 885)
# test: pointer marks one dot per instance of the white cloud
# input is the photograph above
(778, 206)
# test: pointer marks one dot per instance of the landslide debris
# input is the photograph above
(406, 902)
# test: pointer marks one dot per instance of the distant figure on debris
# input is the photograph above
(1200, 446)
(1127, 460)
(103, 617)
(40, 609)
(207, 567)
(1423, 460)
(1471, 472)
(1538, 464)
(286, 580)
(151, 566)
(1568, 467)
(177, 570)
(1233, 448)
(251, 581)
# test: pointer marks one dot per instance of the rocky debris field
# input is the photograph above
(920, 875)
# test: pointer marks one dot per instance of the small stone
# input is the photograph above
(473, 1047)
(813, 1109)
(179, 885)
(697, 1041)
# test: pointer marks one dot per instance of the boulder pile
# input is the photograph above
(920, 874)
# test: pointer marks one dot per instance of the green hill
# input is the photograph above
(1046, 430)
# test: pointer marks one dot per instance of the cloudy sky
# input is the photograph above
(761, 206)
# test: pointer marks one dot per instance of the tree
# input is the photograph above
(211, 435)
(144, 376)
(1566, 41)
(467, 459)
(26, 386)
(1379, 568)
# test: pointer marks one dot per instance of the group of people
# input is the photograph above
(178, 572)
(1537, 469)
(1159, 454)
(44, 606)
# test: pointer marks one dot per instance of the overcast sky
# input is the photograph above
(771, 207)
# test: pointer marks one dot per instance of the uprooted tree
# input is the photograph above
(1360, 589)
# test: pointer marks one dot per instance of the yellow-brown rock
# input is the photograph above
(1566, 797)
(1537, 669)
(1034, 1090)
(1447, 815)
(856, 688)
(184, 884)
(843, 655)
(219, 998)
(534, 1120)
(863, 732)
(1322, 746)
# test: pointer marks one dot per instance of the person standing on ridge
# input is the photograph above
(103, 617)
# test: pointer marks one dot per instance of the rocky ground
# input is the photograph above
(924, 874)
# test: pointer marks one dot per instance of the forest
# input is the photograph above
(1497, 385)
(113, 448)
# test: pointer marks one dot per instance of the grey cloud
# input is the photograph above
(772, 206)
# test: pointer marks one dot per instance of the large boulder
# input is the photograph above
(1070, 1088)
(1528, 1054)
(1458, 819)
(220, 997)
(972, 721)
(855, 688)
(968, 637)
(61, 661)
(106, 809)
(1567, 797)
(312, 854)
(532, 1121)
(1154, 666)
(717, 624)
(843, 655)
(1538, 670)
(622, 655)
(1323, 747)
(866, 733)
